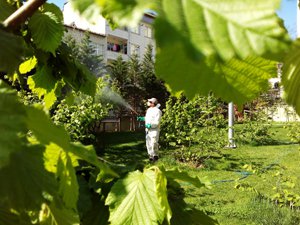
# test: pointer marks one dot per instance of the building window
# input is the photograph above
(148, 31)
(134, 50)
(135, 29)
(98, 48)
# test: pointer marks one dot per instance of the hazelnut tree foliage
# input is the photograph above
(229, 47)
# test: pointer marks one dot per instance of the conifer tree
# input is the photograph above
(84, 51)
(154, 87)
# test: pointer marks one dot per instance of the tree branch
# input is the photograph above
(21, 15)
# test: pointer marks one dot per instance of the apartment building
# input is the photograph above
(111, 42)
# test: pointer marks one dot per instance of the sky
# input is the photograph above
(287, 11)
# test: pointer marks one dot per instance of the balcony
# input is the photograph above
(118, 32)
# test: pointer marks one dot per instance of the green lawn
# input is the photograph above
(223, 201)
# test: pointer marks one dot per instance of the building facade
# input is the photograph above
(111, 42)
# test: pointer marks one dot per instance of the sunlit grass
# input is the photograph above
(224, 202)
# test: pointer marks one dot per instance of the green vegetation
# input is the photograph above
(202, 47)
(243, 180)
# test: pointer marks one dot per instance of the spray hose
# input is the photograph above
(245, 174)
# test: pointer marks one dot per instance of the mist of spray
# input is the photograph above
(111, 96)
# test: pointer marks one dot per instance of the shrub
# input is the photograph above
(29, 98)
(294, 132)
(80, 119)
(256, 131)
(210, 141)
(183, 119)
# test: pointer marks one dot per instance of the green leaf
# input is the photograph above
(89, 9)
(202, 43)
(291, 77)
(28, 65)
(44, 84)
(44, 129)
(124, 12)
(228, 29)
(12, 49)
(50, 7)
(176, 174)
(53, 154)
(25, 180)
(137, 199)
(8, 217)
(12, 123)
(237, 80)
(6, 10)
(58, 214)
(161, 188)
(62, 164)
(47, 133)
(68, 185)
(47, 30)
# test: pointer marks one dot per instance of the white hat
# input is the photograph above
(153, 100)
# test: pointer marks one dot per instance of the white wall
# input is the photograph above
(101, 27)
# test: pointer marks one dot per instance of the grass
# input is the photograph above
(224, 202)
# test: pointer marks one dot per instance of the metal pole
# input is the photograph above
(231, 141)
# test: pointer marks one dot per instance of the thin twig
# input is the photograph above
(21, 15)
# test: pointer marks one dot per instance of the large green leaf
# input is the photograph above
(9, 217)
(28, 65)
(42, 82)
(12, 49)
(50, 7)
(291, 77)
(57, 214)
(124, 12)
(53, 154)
(47, 29)
(68, 185)
(235, 80)
(139, 198)
(47, 133)
(6, 10)
(89, 9)
(206, 45)
(12, 123)
(44, 129)
(227, 28)
(62, 163)
(25, 180)
(45, 85)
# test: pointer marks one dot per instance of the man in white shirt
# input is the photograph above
(152, 124)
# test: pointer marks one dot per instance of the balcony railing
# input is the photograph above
(114, 55)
